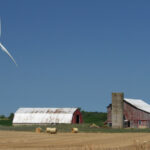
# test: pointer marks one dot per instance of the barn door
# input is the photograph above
(77, 119)
(128, 123)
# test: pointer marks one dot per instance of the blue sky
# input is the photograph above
(73, 53)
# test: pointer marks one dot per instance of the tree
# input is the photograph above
(11, 116)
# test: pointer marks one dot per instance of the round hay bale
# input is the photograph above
(51, 130)
(38, 130)
(75, 130)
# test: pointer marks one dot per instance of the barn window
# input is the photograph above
(149, 124)
(139, 122)
(110, 124)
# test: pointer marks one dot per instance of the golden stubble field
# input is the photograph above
(15, 140)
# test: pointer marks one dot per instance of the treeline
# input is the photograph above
(6, 121)
(97, 118)
(10, 117)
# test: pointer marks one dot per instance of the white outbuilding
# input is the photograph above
(30, 116)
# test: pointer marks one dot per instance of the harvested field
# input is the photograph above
(15, 140)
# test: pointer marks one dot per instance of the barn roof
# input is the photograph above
(43, 115)
(138, 103)
(46, 110)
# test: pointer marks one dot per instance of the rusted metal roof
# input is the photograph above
(46, 110)
(43, 115)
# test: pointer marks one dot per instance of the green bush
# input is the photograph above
(6, 122)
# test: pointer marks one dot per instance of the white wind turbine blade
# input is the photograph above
(6, 51)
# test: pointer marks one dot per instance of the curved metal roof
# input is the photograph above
(46, 110)
(43, 115)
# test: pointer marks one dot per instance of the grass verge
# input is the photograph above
(67, 128)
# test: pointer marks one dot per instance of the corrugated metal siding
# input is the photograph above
(43, 115)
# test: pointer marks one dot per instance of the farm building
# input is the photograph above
(123, 112)
(28, 116)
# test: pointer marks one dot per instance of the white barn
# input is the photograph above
(29, 116)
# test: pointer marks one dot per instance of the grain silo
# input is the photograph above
(117, 110)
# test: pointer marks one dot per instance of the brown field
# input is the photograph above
(15, 140)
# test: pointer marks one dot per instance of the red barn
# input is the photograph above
(136, 114)
(77, 117)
